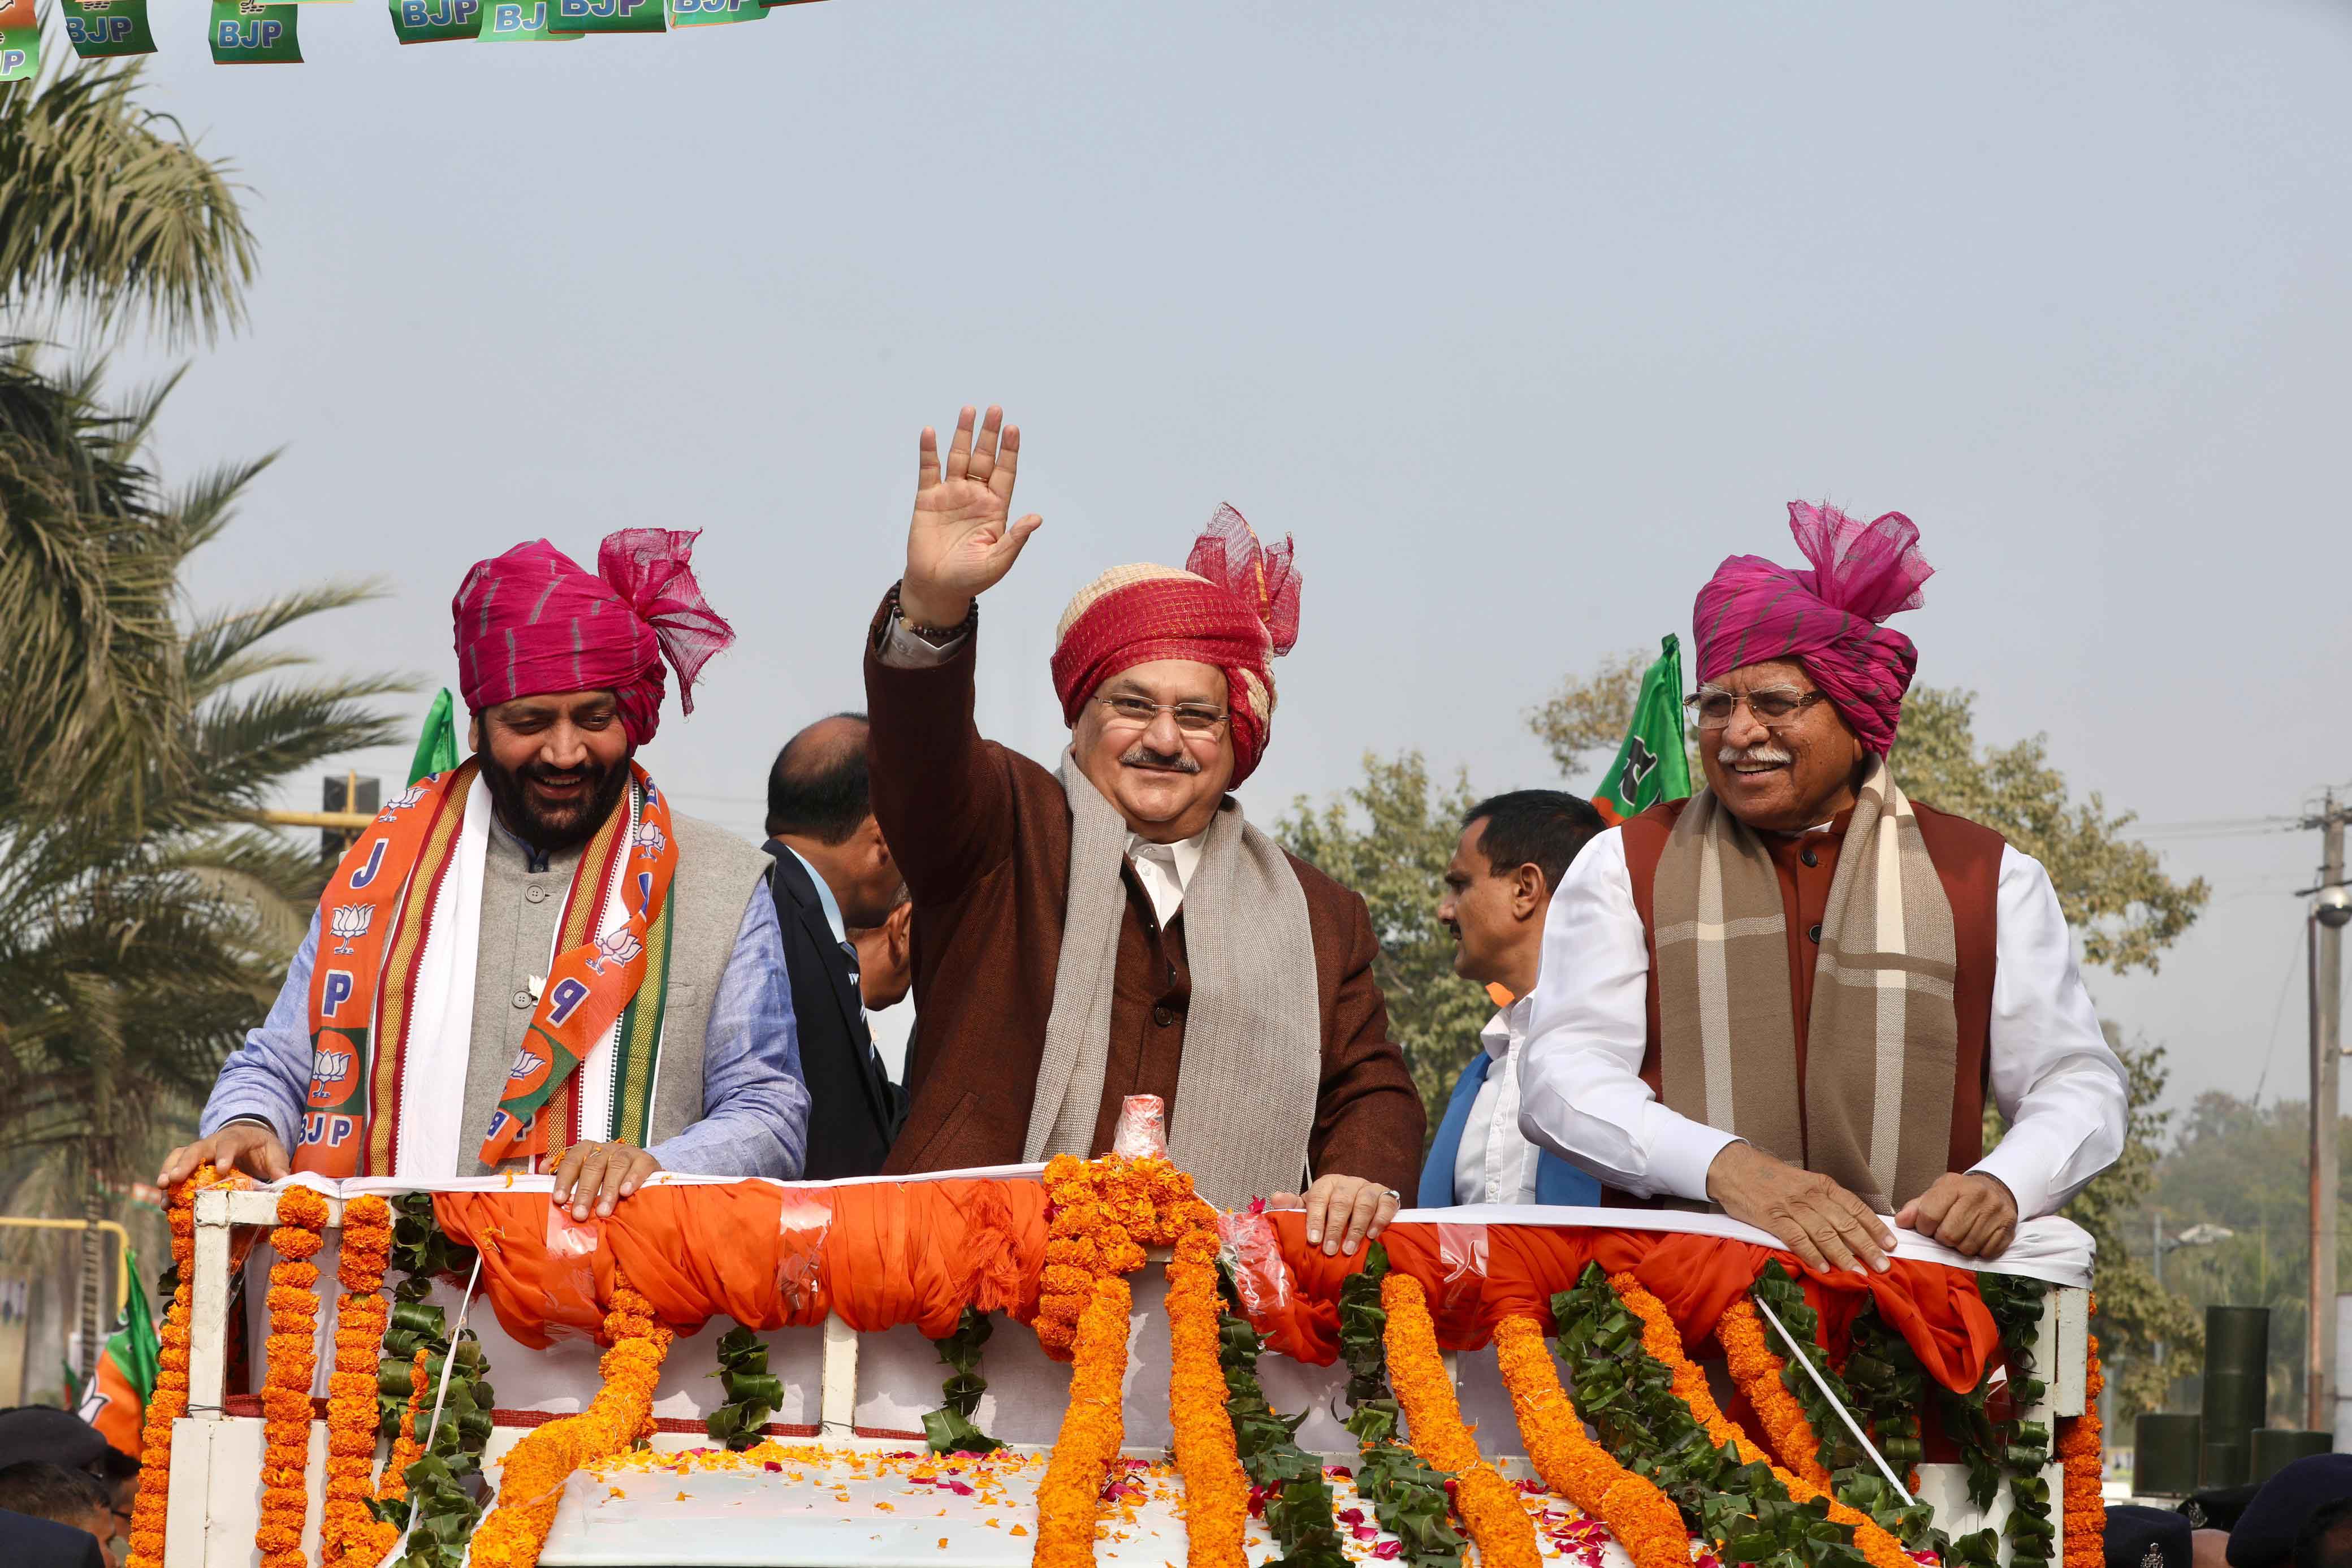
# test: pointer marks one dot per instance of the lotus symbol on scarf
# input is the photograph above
(329, 1066)
(402, 802)
(525, 1065)
(650, 843)
(350, 921)
(617, 946)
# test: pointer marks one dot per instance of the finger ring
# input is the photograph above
(1394, 1196)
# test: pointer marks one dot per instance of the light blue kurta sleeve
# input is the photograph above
(267, 1078)
(755, 1102)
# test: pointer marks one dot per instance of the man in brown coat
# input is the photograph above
(1118, 928)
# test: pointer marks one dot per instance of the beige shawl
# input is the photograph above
(1252, 1051)
(1875, 1109)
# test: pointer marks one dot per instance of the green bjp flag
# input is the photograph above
(436, 22)
(253, 32)
(437, 744)
(115, 1401)
(1653, 765)
(20, 53)
(523, 22)
(100, 29)
(708, 13)
(606, 16)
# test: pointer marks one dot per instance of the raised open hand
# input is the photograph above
(959, 543)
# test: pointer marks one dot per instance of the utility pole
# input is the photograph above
(2331, 907)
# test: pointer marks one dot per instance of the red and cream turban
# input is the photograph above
(533, 620)
(1827, 619)
(1235, 606)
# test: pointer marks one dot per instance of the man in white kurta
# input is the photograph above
(1790, 996)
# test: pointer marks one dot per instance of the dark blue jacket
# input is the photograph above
(1557, 1181)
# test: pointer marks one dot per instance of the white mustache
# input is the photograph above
(1733, 754)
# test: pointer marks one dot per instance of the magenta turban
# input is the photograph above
(533, 620)
(1751, 610)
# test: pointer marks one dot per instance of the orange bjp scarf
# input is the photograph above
(379, 912)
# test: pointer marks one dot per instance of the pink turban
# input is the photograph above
(533, 620)
(1235, 606)
(1751, 610)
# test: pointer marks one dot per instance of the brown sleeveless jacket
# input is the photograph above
(1967, 857)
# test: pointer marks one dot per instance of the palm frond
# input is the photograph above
(108, 208)
(221, 649)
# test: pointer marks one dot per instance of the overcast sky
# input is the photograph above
(1518, 315)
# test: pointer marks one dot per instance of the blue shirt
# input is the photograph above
(755, 1103)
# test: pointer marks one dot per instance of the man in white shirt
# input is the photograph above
(1513, 851)
(1790, 995)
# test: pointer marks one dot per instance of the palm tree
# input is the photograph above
(144, 920)
(107, 208)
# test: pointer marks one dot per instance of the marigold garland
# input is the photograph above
(1761, 1376)
(346, 1527)
(1666, 1346)
(1644, 1522)
(169, 1400)
(1092, 1427)
(1412, 1501)
(293, 1363)
(1488, 1504)
(530, 1484)
(1104, 1213)
(2082, 1458)
(1216, 1495)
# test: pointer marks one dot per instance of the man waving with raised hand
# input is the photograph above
(1115, 926)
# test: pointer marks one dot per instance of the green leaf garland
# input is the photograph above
(1853, 1480)
(1407, 1496)
(951, 1427)
(442, 1480)
(753, 1392)
(1297, 1499)
(1628, 1395)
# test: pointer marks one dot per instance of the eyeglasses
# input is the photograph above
(1771, 707)
(1193, 718)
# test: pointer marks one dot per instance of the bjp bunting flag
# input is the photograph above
(255, 33)
(105, 29)
(116, 1400)
(1653, 765)
(20, 44)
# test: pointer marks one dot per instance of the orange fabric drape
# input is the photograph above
(877, 1255)
(882, 1254)
(1477, 1275)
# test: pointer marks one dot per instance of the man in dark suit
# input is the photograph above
(834, 874)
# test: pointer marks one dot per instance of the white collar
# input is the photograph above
(825, 901)
(1180, 857)
(1508, 1028)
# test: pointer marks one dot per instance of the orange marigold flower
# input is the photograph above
(1091, 1430)
(2083, 1508)
(1665, 1345)
(531, 1481)
(170, 1398)
(1489, 1505)
(1756, 1371)
(1642, 1518)
(1064, 1279)
(1216, 1493)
